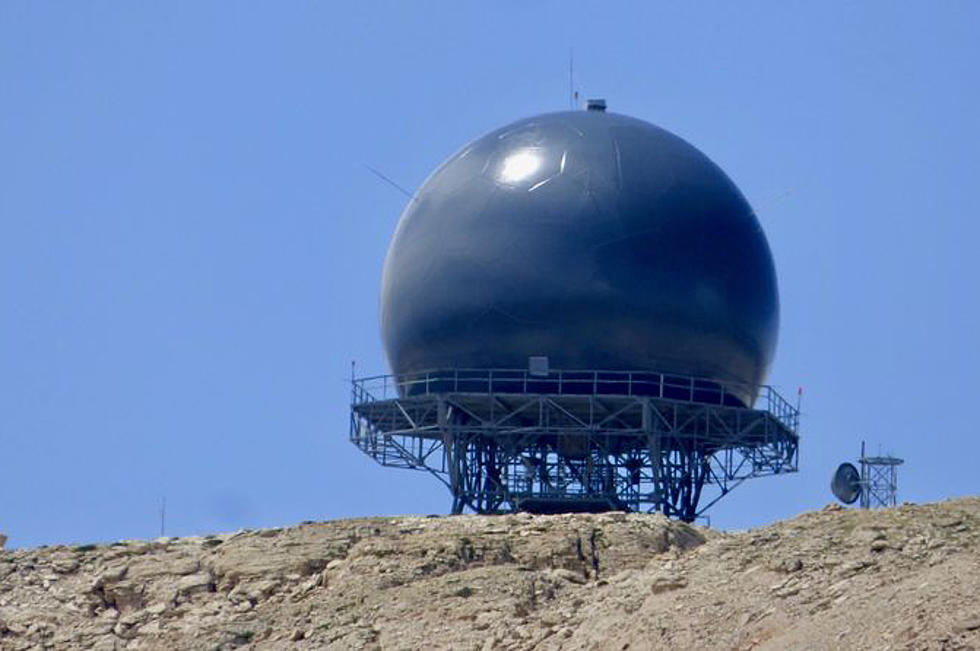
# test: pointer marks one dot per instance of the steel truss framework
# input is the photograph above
(583, 444)
(879, 480)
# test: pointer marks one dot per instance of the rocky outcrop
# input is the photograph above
(900, 578)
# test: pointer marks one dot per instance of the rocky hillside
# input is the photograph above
(902, 578)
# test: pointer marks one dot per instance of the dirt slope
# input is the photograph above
(902, 578)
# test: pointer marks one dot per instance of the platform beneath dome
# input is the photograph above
(504, 440)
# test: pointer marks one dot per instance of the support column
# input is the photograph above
(450, 450)
(656, 459)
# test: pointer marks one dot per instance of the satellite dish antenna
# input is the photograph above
(846, 484)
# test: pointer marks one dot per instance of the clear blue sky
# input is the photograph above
(190, 245)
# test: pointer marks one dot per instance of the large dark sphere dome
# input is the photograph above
(596, 239)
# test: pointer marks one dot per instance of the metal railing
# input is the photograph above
(575, 383)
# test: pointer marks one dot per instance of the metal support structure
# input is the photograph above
(506, 440)
(879, 480)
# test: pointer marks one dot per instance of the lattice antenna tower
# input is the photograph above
(879, 480)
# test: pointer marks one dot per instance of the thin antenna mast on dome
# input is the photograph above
(572, 93)
(571, 79)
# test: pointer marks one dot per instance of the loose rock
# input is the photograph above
(833, 578)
